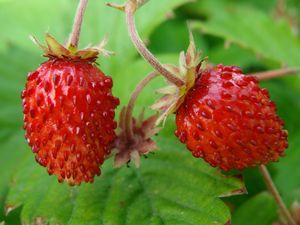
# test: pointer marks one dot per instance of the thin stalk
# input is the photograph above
(74, 38)
(281, 7)
(273, 190)
(275, 73)
(128, 116)
(142, 49)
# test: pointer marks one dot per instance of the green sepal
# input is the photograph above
(174, 96)
(54, 49)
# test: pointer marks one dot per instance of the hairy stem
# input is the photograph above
(281, 7)
(131, 103)
(273, 190)
(142, 49)
(74, 38)
(275, 73)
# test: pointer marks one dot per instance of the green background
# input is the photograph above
(171, 187)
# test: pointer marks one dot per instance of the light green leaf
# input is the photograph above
(258, 32)
(159, 192)
(99, 21)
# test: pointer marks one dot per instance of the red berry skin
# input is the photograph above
(69, 118)
(229, 121)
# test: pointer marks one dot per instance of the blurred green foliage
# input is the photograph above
(171, 187)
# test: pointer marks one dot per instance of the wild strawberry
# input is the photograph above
(222, 115)
(69, 113)
(228, 120)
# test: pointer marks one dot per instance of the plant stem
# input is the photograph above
(281, 7)
(275, 73)
(142, 49)
(129, 110)
(273, 190)
(74, 38)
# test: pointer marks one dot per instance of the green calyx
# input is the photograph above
(174, 96)
(54, 49)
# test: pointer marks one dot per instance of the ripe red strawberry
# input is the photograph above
(229, 121)
(69, 115)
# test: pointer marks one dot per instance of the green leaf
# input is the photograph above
(99, 21)
(288, 182)
(210, 8)
(259, 210)
(162, 39)
(266, 37)
(233, 55)
(12, 143)
(159, 192)
(13, 218)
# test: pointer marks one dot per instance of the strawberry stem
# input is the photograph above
(275, 73)
(130, 9)
(131, 103)
(273, 190)
(281, 8)
(74, 38)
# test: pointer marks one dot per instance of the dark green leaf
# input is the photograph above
(259, 210)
